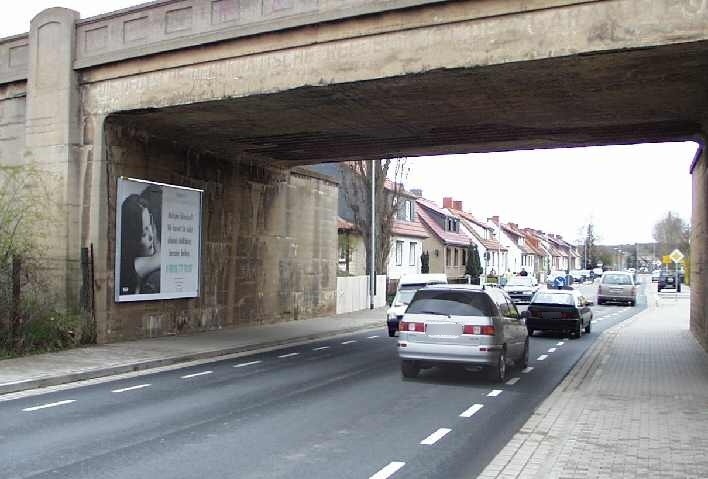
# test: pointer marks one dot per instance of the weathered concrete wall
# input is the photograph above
(269, 241)
(12, 123)
(699, 250)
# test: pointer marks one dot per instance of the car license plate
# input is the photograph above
(551, 315)
(443, 329)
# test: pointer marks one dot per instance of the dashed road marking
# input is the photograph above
(469, 412)
(250, 363)
(289, 355)
(560, 343)
(190, 376)
(495, 392)
(527, 369)
(435, 437)
(349, 342)
(131, 388)
(542, 357)
(45, 406)
(513, 381)
(372, 337)
(388, 471)
(552, 350)
(320, 348)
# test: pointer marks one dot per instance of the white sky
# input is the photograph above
(624, 190)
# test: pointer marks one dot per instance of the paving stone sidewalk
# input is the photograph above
(635, 406)
(21, 374)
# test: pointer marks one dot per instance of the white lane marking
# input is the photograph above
(527, 369)
(349, 342)
(472, 410)
(44, 406)
(495, 392)
(289, 355)
(372, 337)
(565, 339)
(250, 363)
(560, 343)
(320, 348)
(435, 437)
(542, 357)
(552, 350)
(513, 381)
(189, 376)
(388, 471)
(131, 388)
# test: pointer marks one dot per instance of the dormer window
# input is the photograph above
(452, 225)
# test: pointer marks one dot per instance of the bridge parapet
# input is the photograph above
(14, 58)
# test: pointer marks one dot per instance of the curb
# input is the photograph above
(156, 363)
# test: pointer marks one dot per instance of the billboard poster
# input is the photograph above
(158, 241)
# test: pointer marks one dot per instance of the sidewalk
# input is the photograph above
(19, 374)
(635, 406)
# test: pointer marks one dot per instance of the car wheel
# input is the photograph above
(588, 328)
(525, 355)
(578, 329)
(409, 369)
(678, 290)
(498, 373)
(632, 303)
(392, 332)
(658, 289)
(531, 331)
(600, 301)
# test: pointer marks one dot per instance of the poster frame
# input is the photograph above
(117, 248)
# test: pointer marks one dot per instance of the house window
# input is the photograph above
(448, 256)
(408, 214)
(464, 257)
(412, 254)
(399, 253)
(456, 254)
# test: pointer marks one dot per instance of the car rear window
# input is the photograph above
(457, 303)
(620, 279)
(553, 298)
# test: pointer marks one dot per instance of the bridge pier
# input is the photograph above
(699, 248)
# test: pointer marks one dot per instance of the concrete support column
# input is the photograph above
(51, 142)
(699, 248)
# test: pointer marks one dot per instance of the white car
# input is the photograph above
(521, 288)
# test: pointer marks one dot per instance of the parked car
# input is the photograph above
(407, 286)
(462, 324)
(550, 279)
(667, 279)
(559, 310)
(521, 288)
(617, 286)
(655, 275)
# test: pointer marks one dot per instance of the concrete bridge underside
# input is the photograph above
(233, 114)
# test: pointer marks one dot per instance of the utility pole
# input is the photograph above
(372, 261)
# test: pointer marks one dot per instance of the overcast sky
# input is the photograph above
(624, 190)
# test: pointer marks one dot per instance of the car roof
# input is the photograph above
(618, 272)
(573, 292)
(464, 287)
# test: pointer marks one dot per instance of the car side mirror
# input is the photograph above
(523, 314)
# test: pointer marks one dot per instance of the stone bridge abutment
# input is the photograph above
(230, 97)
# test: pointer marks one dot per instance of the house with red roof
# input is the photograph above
(447, 244)
(407, 237)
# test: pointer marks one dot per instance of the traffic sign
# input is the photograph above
(676, 256)
(666, 259)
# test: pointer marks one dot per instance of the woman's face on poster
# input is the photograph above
(147, 240)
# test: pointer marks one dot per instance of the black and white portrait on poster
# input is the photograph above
(158, 235)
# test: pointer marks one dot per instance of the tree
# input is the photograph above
(425, 263)
(588, 249)
(356, 184)
(474, 267)
(672, 232)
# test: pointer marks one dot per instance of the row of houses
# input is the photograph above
(446, 232)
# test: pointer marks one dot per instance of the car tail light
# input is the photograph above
(479, 330)
(411, 327)
(569, 315)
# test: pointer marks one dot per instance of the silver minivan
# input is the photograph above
(462, 324)
(617, 286)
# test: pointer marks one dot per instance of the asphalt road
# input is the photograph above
(329, 409)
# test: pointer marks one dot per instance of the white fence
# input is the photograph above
(353, 293)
